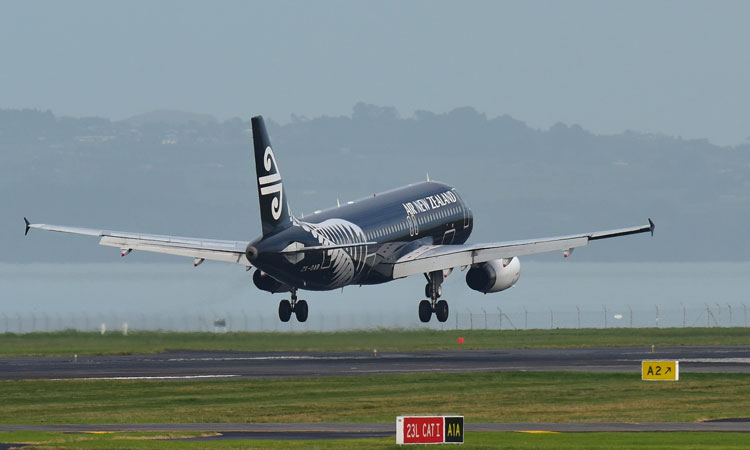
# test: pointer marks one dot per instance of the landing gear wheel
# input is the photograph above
(285, 310)
(425, 311)
(441, 311)
(300, 311)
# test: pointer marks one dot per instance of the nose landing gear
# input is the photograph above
(434, 290)
(298, 307)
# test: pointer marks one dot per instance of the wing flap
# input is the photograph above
(430, 258)
(211, 249)
(442, 257)
(203, 252)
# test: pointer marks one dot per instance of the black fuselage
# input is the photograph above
(386, 226)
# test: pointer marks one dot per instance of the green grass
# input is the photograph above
(483, 440)
(481, 397)
(67, 343)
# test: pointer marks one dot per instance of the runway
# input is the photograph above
(183, 365)
(177, 365)
(368, 430)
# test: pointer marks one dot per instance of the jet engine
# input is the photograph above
(494, 276)
(266, 282)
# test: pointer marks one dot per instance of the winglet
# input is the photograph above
(27, 226)
(651, 226)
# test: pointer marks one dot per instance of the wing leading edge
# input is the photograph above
(430, 258)
(200, 249)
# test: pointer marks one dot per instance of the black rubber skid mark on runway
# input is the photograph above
(729, 420)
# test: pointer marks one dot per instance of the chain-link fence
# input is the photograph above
(708, 315)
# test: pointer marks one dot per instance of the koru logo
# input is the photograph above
(271, 184)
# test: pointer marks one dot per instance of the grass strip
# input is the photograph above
(481, 397)
(480, 440)
(67, 343)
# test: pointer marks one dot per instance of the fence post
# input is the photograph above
(631, 316)
(708, 317)
(579, 316)
(657, 315)
(684, 315)
(485, 318)
(551, 320)
(718, 307)
(730, 314)
(605, 316)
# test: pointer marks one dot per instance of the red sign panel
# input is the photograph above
(423, 430)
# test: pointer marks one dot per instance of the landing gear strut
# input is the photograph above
(298, 307)
(433, 290)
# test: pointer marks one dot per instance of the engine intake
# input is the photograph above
(494, 276)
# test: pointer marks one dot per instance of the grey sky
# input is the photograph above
(672, 67)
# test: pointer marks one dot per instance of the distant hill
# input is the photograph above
(187, 174)
(169, 117)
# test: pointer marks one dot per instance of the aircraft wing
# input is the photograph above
(200, 249)
(428, 258)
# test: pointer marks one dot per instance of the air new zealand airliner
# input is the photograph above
(413, 230)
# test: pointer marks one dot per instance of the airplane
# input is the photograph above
(417, 229)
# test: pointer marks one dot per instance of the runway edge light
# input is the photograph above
(660, 370)
(429, 430)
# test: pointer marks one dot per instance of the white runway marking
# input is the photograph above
(271, 358)
(717, 360)
(169, 377)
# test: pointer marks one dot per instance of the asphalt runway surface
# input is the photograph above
(314, 431)
(218, 364)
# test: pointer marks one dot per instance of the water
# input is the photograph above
(36, 297)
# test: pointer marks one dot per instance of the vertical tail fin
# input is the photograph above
(274, 209)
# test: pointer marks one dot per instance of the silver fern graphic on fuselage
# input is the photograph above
(345, 263)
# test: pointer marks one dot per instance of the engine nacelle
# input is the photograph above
(266, 282)
(494, 276)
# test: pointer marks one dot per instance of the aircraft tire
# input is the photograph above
(300, 311)
(285, 310)
(441, 311)
(425, 311)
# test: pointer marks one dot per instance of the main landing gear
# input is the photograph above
(434, 290)
(298, 307)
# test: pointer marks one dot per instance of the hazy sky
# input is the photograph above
(673, 67)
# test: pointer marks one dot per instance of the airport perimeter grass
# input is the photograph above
(67, 343)
(483, 440)
(480, 397)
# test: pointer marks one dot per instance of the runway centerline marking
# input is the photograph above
(271, 358)
(716, 360)
(166, 377)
